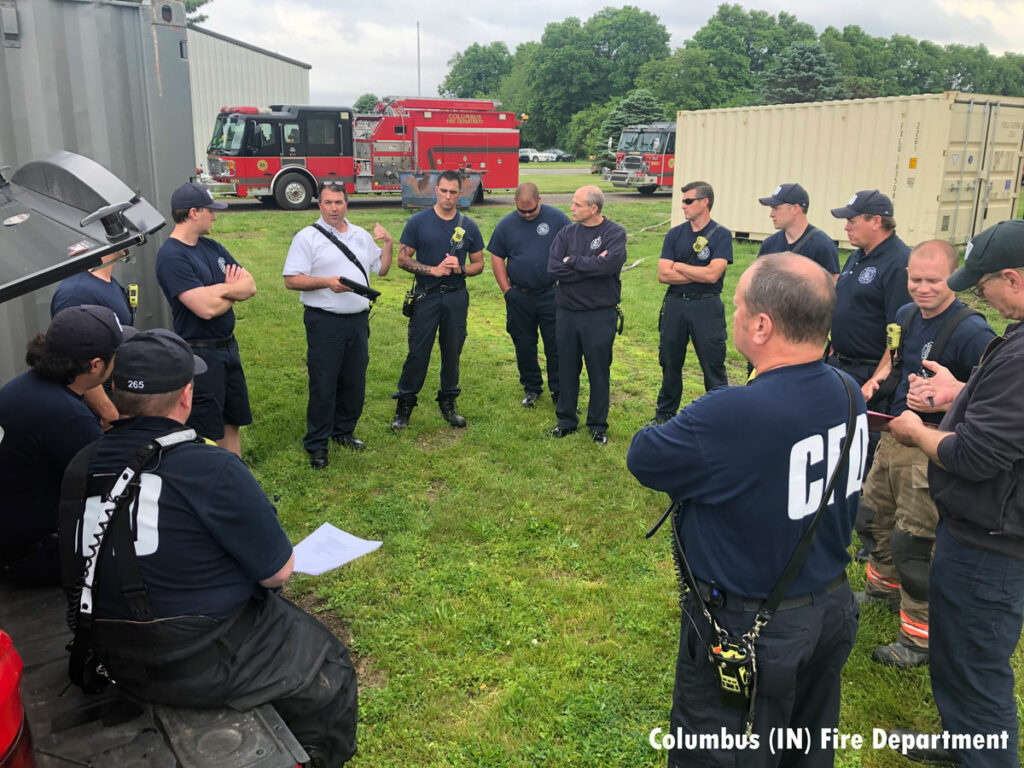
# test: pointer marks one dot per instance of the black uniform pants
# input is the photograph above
(800, 655)
(441, 315)
(701, 320)
(584, 336)
(288, 659)
(337, 353)
(525, 313)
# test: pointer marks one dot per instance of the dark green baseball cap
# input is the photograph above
(996, 248)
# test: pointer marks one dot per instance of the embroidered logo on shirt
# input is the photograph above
(595, 243)
(222, 264)
(704, 254)
(543, 228)
(867, 275)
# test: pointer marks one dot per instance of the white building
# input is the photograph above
(225, 73)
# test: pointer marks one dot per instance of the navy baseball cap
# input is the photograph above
(156, 361)
(193, 195)
(792, 194)
(85, 332)
(996, 248)
(867, 201)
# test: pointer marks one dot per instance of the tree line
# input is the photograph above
(584, 80)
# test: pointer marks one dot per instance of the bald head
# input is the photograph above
(937, 249)
(795, 292)
(587, 203)
(526, 192)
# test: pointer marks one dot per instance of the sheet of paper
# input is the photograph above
(328, 548)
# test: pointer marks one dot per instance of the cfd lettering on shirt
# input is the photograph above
(805, 494)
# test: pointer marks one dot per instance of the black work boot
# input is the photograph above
(402, 413)
(447, 406)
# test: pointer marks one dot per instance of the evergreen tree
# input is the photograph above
(804, 72)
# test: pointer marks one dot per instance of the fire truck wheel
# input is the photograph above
(647, 190)
(293, 192)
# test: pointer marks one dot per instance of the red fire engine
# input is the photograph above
(645, 158)
(282, 153)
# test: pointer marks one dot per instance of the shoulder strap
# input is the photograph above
(116, 503)
(802, 240)
(939, 345)
(796, 562)
(343, 248)
(73, 490)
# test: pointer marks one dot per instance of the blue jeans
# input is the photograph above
(977, 608)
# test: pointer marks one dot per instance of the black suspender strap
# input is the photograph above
(344, 249)
(802, 240)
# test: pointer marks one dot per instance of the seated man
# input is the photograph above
(206, 628)
(43, 424)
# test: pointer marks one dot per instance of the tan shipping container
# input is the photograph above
(951, 162)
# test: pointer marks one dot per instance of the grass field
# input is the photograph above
(515, 615)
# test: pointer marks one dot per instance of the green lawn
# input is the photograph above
(515, 615)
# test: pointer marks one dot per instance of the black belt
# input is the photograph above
(450, 288)
(689, 297)
(535, 291)
(320, 311)
(752, 604)
(210, 343)
(844, 360)
(221, 648)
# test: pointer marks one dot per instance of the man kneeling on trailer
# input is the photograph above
(190, 616)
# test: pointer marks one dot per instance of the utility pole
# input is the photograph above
(419, 87)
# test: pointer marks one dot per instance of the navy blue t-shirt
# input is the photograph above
(180, 268)
(819, 248)
(86, 288)
(961, 354)
(42, 426)
(526, 245)
(679, 246)
(433, 238)
(868, 292)
(586, 279)
(205, 533)
(749, 465)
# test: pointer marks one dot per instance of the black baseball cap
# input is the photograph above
(156, 361)
(996, 248)
(791, 194)
(85, 332)
(193, 195)
(867, 201)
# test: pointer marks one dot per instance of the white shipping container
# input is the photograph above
(951, 162)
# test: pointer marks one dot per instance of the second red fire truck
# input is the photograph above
(282, 153)
(645, 158)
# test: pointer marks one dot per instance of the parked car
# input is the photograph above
(527, 155)
(559, 154)
(546, 157)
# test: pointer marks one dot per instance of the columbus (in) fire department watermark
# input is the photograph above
(805, 740)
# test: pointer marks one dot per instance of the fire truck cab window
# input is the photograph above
(266, 140)
(291, 133)
(322, 134)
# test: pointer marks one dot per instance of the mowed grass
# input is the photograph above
(515, 615)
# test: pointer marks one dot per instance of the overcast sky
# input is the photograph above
(360, 47)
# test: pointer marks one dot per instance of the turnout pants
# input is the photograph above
(441, 315)
(525, 313)
(977, 601)
(702, 320)
(896, 522)
(800, 655)
(337, 353)
(288, 659)
(585, 336)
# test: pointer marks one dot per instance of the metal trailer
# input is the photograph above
(108, 80)
(951, 162)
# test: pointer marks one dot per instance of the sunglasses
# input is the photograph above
(692, 200)
(333, 184)
(528, 211)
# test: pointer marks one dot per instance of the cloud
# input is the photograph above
(358, 48)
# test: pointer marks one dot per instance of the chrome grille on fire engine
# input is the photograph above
(632, 161)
